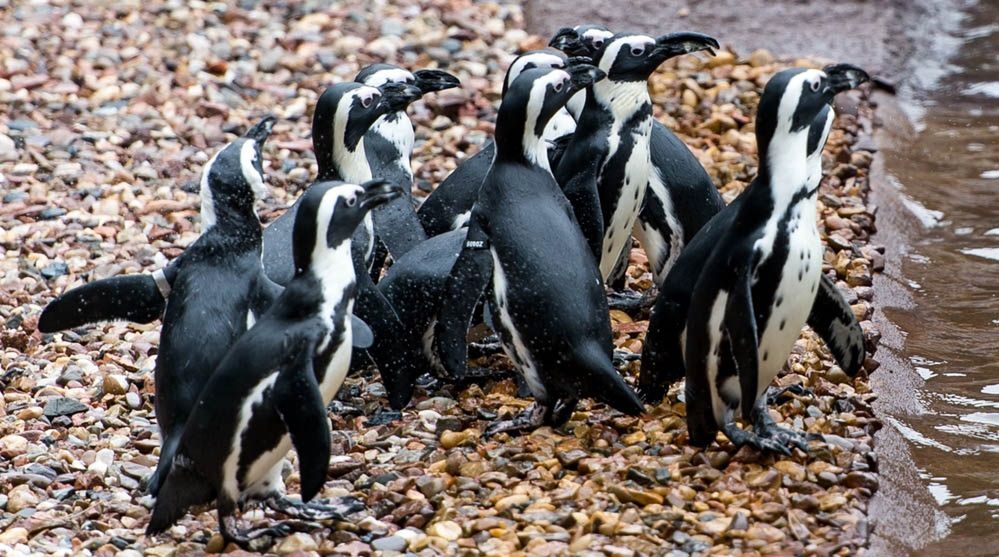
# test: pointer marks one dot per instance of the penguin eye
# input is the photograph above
(351, 201)
(366, 102)
(637, 50)
(558, 86)
(597, 43)
(814, 86)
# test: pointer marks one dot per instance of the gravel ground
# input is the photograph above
(111, 112)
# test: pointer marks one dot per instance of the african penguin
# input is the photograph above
(522, 237)
(271, 389)
(680, 198)
(447, 207)
(606, 168)
(759, 282)
(831, 316)
(343, 115)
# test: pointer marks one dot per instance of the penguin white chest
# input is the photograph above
(794, 296)
(630, 195)
(513, 342)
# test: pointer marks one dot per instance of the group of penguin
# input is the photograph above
(259, 324)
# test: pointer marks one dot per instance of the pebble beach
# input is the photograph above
(111, 112)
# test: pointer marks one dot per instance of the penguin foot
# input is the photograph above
(485, 347)
(528, 420)
(318, 509)
(252, 539)
(631, 301)
(766, 436)
(785, 437)
(383, 417)
(778, 395)
(624, 357)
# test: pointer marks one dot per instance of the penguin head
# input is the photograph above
(629, 57)
(427, 80)
(535, 96)
(329, 213)
(543, 58)
(581, 40)
(346, 111)
(233, 179)
(795, 98)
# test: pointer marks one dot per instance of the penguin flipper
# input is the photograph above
(361, 333)
(397, 226)
(833, 320)
(135, 298)
(278, 258)
(662, 356)
(183, 489)
(740, 328)
(468, 279)
(583, 195)
(299, 403)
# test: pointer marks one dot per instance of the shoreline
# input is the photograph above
(604, 482)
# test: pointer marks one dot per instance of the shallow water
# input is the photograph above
(942, 210)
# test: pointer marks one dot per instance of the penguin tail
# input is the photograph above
(607, 385)
(662, 356)
(167, 451)
(182, 489)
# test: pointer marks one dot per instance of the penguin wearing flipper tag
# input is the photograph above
(759, 282)
(522, 237)
(448, 206)
(605, 170)
(831, 316)
(680, 198)
(270, 391)
(388, 146)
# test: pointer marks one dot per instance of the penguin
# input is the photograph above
(388, 147)
(344, 114)
(522, 237)
(681, 197)
(759, 282)
(210, 292)
(271, 389)
(831, 316)
(606, 168)
(448, 206)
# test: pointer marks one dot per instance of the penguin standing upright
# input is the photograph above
(681, 197)
(759, 282)
(448, 206)
(522, 237)
(215, 287)
(388, 146)
(271, 390)
(831, 316)
(606, 167)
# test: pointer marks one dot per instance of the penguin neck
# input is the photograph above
(333, 269)
(784, 169)
(231, 214)
(350, 165)
(517, 139)
(623, 100)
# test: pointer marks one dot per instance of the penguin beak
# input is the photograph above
(397, 96)
(377, 192)
(676, 44)
(260, 131)
(568, 41)
(842, 77)
(583, 75)
(577, 60)
(430, 81)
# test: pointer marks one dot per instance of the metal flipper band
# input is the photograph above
(161, 282)
(477, 244)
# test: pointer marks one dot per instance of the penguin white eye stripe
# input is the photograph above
(394, 75)
(539, 59)
(597, 35)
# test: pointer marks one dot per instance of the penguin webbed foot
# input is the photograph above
(530, 419)
(251, 539)
(766, 427)
(317, 509)
(485, 347)
(624, 357)
(631, 301)
(778, 395)
(383, 417)
(763, 437)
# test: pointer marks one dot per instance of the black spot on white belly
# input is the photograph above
(766, 355)
(783, 323)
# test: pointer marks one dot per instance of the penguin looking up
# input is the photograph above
(270, 391)
(830, 317)
(388, 146)
(680, 198)
(213, 291)
(759, 282)
(447, 207)
(606, 168)
(522, 237)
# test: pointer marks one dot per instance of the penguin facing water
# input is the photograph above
(759, 282)
(830, 317)
(270, 391)
(522, 238)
